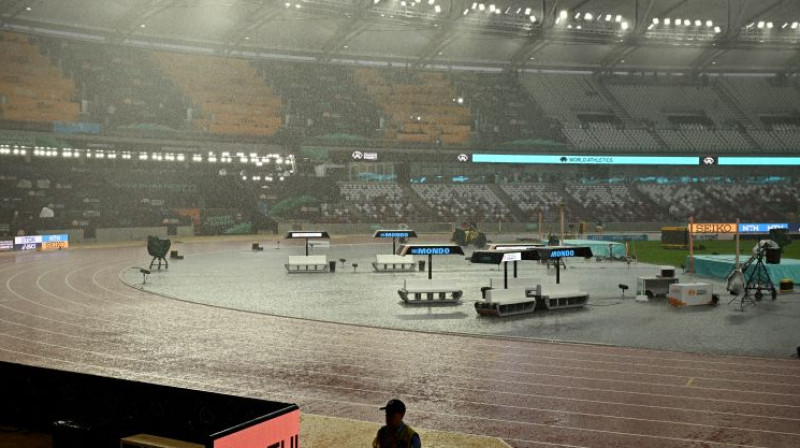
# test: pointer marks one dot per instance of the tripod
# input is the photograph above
(758, 280)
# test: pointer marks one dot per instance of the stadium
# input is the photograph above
(544, 223)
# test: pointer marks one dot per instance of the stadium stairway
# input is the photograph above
(747, 119)
(418, 203)
(516, 212)
(616, 106)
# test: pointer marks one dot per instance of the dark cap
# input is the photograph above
(395, 405)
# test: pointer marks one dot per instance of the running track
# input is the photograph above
(69, 310)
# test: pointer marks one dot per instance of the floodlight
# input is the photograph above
(403, 3)
(430, 2)
(569, 26)
(697, 22)
(578, 27)
(298, 6)
(466, 11)
(624, 25)
(491, 7)
(794, 25)
(474, 6)
(563, 14)
(528, 12)
(481, 7)
(588, 16)
(678, 22)
(655, 20)
(785, 24)
(437, 8)
(618, 19)
(577, 15)
(287, 4)
(497, 11)
(761, 25)
(769, 25)
(533, 19)
(709, 23)
(717, 30)
(667, 21)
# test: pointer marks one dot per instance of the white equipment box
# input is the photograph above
(690, 294)
(654, 286)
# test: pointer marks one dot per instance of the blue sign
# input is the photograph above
(761, 227)
(395, 234)
(760, 161)
(584, 159)
(55, 238)
(561, 253)
(430, 251)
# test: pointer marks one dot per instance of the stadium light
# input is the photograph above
(588, 16)
(533, 19)
(491, 7)
(667, 21)
(794, 25)
(655, 21)
(697, 22)
(618, 19)
(709, 23)
(474, 6)
(466, 11)
(769, 25)
(761, 25)
(528, 12)
(563, 14)
(481, 7)
(624, 26)
(717, 30)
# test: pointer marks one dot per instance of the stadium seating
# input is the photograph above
(122, 86)
(232, 97)
(421, 107)
(376, 202)
(565, 97)
(324, 100)
(458, 202)
(31, 88)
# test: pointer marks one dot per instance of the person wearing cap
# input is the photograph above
(396, 434)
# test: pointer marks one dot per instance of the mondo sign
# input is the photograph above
(714, 228)
(430, 251)
(561, 253)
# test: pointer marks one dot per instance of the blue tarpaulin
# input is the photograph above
(719, 266)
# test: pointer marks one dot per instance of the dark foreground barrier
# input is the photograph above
(93, 411)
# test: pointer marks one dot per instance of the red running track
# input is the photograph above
(69, 310)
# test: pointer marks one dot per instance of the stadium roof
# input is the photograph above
(596, 35)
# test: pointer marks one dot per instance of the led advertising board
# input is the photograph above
(43, 242)
(431, 249)
(570, 159)
(395, 234)
(717, 227)
(307, 235)
(761, 227)
(6, 245)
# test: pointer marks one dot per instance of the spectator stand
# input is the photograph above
(309, 264)
(413, 291)
(394, 262)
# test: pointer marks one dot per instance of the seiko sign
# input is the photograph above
(713, 228)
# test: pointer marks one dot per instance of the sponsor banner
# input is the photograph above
(759, 161)
(6, 245)
(55, 245)
(585, 159)
(64, 127)
(761, 227)
(620, 238)
(713, 227)
(32, 239)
